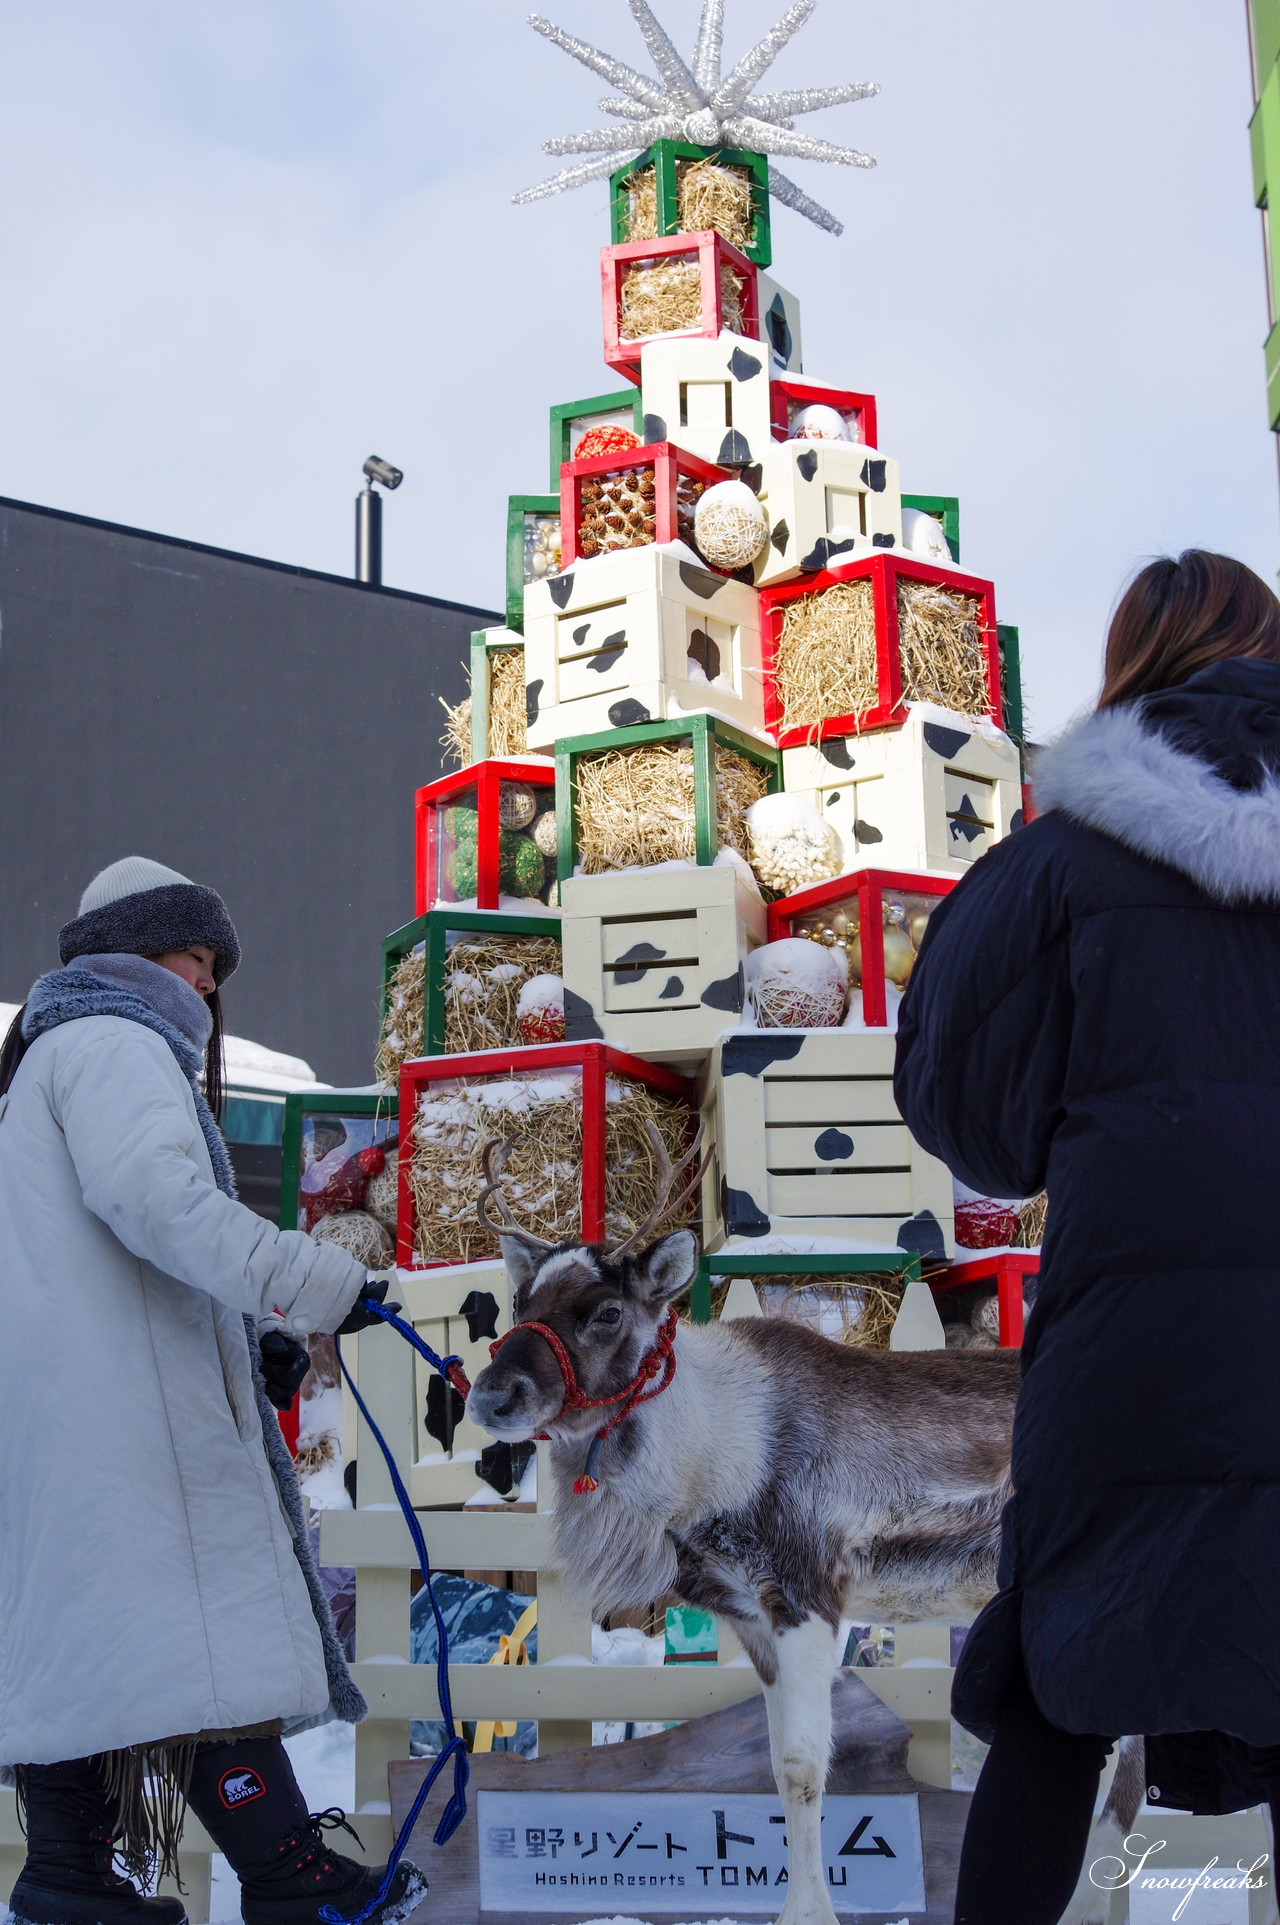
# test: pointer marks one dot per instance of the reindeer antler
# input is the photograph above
(493, 1187)
(667, 1174)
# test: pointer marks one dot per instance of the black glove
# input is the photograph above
(285, 1362)
(359, 1317)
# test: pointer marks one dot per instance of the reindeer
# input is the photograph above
(755, 1469)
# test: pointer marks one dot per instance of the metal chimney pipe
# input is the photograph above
(369, 538)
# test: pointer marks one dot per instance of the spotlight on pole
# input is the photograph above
(369, 519)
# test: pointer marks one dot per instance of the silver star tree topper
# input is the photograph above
(701, 105)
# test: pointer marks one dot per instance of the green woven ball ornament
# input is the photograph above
(522, 867)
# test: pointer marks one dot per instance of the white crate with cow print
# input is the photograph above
(711, 397)
(458, 1309)
(642, 635)
(656, 962)
(933, 794)
(809, 1141)
(825, 500)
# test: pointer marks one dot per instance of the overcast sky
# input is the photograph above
(248, 242)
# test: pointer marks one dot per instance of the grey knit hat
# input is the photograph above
(137, 907)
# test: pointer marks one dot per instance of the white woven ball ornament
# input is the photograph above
(790, 845)
(797, 984)
(818, 422)
(359, 1234)
(729, 525)
(544, 832)
(517, 805)
(383, 1194)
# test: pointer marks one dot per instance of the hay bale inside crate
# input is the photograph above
(709, 194)
(506, 711)
(637, 805)
(827, 664)
(483, 976)
(664, 296)
(540, 1111)
(857, 1308)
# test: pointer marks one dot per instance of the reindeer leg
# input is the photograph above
(799, 1706)
(1090, 1902)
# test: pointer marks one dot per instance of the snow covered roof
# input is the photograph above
(250, 1066)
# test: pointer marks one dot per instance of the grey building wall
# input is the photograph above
(259, 727)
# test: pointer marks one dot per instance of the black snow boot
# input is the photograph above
(247, 1798)
(68, 1877)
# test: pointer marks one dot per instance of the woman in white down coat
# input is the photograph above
(159, 1611)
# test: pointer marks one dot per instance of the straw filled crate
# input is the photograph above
(456, 981)
(986, 1297)
(638, 636)
(825, 500)
(847, 649)
(660, 792)
(876, 919)
(694, 284)
(493, 718)
(809, 1139)
(709, 396)
(533, 547)
(807, 411)
(656, 964)
(934, 794)
(580, 1165)
(674, 187)
(338, 1170)
(485, 832)
(852, 1296)
(614, 501)
(458, 1310)
(616, 417)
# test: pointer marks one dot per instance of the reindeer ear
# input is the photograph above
(522, 1259)
(666, 1268)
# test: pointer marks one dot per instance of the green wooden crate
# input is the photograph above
(523, 512)
(624, 408)
(665, 157)
(705, 732)
(484, 643)
(302, 1108)
(432, 933)
(946, 508)
(1011, 688)
(753, 1264)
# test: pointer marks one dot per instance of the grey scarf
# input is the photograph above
(144, 992)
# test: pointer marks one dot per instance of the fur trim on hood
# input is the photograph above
(1116, 772)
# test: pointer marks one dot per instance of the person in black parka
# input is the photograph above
(1096, 1011)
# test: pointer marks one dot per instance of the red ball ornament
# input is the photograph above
(605, 441)
(541, 1026)
(984, 1224)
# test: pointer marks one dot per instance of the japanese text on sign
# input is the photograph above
(568, 1851)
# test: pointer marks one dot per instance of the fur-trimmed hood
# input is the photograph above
(1189, 777)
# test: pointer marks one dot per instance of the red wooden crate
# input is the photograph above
(786, 396)
(1007, 1272)
(860, 899)
(445, 864)
(712, 253)
(884, 572)
(667, 466)
(595, 1063)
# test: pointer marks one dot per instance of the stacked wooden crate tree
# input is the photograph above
(747, 721)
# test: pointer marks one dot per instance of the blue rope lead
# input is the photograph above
(456, 1809)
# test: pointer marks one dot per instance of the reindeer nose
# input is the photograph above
(503, 1406)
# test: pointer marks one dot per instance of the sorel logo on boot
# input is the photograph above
(238, 1787)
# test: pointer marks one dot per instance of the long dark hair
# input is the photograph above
(16, 1045)
(1179, 616)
